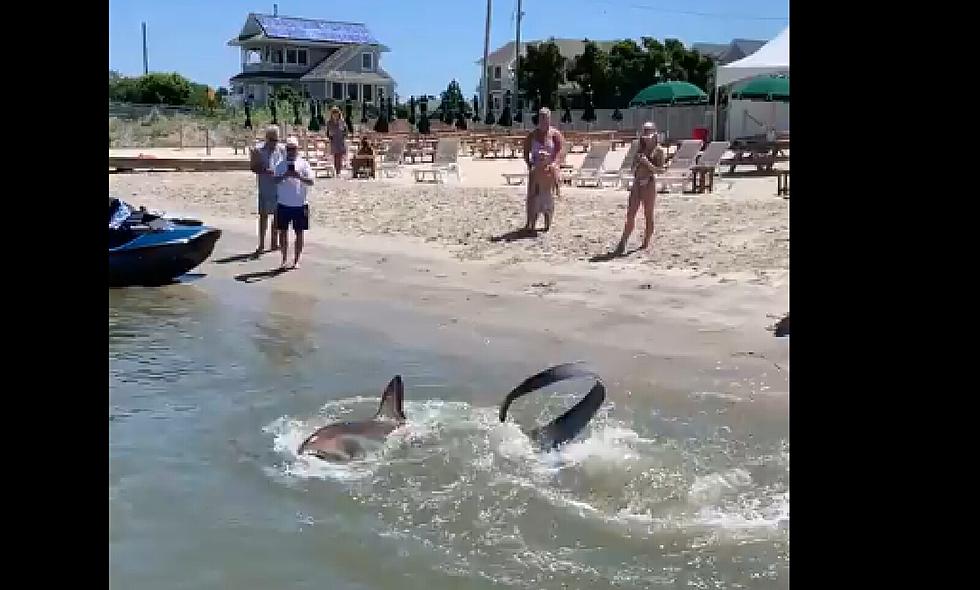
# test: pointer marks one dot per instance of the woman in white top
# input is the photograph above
(293, 177)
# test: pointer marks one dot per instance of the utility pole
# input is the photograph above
(486, 59)
(517, 60)
(146, 69)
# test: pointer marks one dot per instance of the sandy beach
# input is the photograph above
(715, 277)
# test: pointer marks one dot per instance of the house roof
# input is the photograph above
(309, 29)
(568, 48)
(724, 53)
(712, 50)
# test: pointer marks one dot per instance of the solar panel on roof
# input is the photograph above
(315, 30)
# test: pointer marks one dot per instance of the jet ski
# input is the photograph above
(148, 248)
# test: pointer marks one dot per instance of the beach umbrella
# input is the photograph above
(314, 122)
(248, 112)
(588, 115)
(423, 125)
(767, 88)
(505, 119)
(349, 115)
(617, 115)
(381, 125)
(667, 93)
(461, 119)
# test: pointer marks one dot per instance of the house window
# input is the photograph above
(274, 56)
(367, 61)
(352, 91)
(496, 102)
(368, 94)
(296, 56)
(338, 91)
(496, 72)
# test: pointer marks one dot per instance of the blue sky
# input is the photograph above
(430, 45)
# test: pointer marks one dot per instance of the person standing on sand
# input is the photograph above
(337, 133)
(263, 160)
(649, 161)
(543, 175)
(293, 176)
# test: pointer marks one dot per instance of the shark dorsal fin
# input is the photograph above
(391, 400)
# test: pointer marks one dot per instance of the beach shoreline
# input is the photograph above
(387, 245)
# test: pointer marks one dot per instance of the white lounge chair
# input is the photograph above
(590, 172)
(393, 158)
(625, 172)
(444, 162)
(679, 168)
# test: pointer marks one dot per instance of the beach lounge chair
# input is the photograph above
(625, 172)
(393, 158)
(590, 172)
(679, 171)
(445, 161)
(679, 168)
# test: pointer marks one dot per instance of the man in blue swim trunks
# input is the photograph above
(293, 176)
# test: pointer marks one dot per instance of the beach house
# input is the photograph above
(723, 54)
(322, 59)
(500, 67)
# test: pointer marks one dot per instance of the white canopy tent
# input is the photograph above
(771, 58)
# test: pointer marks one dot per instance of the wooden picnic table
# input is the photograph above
(761, 153)
(702, 179)
(363, 164)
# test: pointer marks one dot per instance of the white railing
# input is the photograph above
(266, 66)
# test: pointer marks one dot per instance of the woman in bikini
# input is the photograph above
(543, 153)
(649, 161)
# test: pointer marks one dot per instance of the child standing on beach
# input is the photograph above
(542, 180)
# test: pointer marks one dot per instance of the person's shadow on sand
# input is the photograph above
(254, 277)
(517, 234)
(611, 255)
(253, 255)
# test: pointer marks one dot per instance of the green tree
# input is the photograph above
(161, 88)
(591, 70)
(627, 63)
(452, 97)
(541, 71)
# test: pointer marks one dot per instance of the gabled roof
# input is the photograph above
(712, 50)
(308, 29)
(568, 48)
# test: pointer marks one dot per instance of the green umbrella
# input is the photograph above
(767, 88)
(666, 93)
